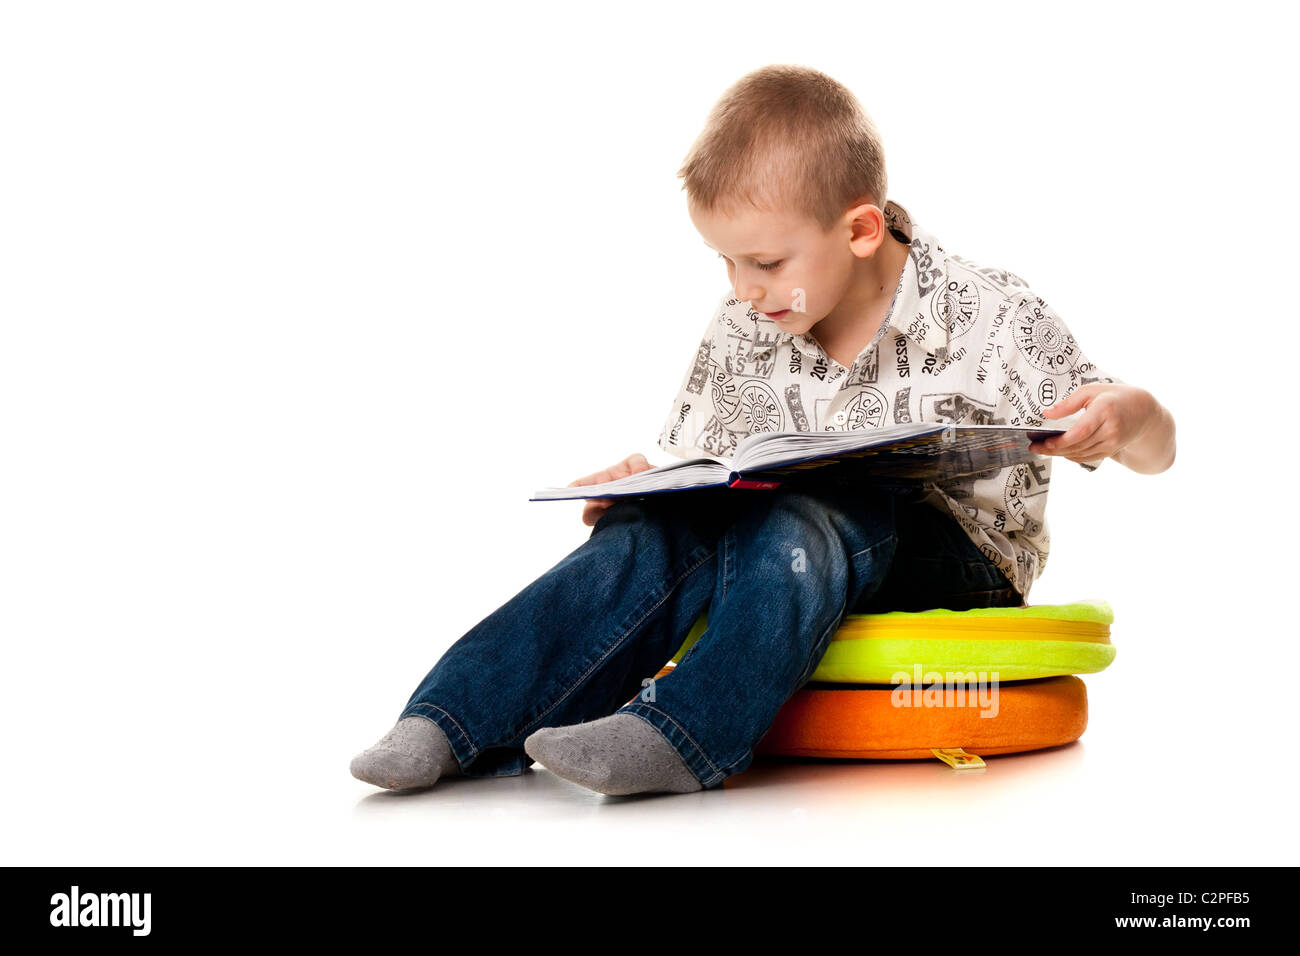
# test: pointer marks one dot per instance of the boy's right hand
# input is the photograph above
(597, 506)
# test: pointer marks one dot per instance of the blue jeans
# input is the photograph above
(776, 572)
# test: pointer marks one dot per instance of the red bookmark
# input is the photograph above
(746, 483)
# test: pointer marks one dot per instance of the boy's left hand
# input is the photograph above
(1114, 416)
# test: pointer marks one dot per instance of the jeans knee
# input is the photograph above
(650, 530)
(801, 529)
(631, 517)
(835, 536)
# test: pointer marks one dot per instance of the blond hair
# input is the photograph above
(786, 137)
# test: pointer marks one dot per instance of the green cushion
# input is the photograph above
(1016, 643)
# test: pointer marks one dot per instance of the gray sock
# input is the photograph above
(618, 755)
(415, 753)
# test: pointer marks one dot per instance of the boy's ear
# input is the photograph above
(867, 228)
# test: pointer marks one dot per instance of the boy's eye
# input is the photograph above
(765, 266)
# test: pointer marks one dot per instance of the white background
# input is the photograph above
(301, 301)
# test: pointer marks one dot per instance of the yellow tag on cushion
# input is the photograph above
(958, 759)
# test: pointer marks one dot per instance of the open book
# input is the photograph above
(918, 452)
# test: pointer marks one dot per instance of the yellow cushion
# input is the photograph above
(1015, 643)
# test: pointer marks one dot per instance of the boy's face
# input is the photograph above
(784, 264)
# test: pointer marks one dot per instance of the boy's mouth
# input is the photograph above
(777, 315)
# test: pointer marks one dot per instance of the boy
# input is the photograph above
(842, 313)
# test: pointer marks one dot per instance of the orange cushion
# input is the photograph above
(869, 723)
(835, 720)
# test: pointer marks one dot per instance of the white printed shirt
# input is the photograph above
(962, 343)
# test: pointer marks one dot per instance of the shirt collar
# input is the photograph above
(923, 270)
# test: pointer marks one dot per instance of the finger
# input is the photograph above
(1076, 400)
(632, 464)
(1082, 431)
(594, 509)
(621, 470)
(1098, 449)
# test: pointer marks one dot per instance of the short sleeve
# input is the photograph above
(692, 408)
(1042, 364)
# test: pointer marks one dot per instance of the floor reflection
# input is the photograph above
(812, 786)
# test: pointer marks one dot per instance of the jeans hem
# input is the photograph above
(706, 772)
(462, 748)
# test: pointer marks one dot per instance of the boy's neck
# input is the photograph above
(848, 328)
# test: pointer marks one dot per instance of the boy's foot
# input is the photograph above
(415, 753)
(617, 755)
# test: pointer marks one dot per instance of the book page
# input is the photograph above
(676, 475)
(942, 452)
(775, 448)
